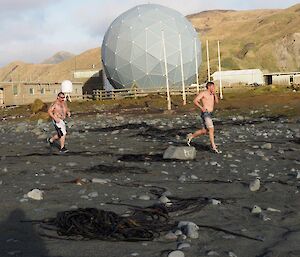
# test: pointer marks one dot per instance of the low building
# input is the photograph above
(20, 93)
(251, 76)
(282, 78)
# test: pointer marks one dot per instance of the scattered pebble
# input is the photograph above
(183, 246)
(176, 253)
(144, 197)
(254, 185)
(35, 194)
(267, 146)
(256, 209)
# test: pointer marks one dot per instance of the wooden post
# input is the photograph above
(208, 65)
(219, 57)
(196, 64)
(182, 74)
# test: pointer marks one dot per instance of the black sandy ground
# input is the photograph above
(126, 147)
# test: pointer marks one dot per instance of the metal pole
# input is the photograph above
(208, 65)
(219, 57)
(196, 63)
(166, 71)
(182, 74)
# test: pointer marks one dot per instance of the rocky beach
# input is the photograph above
(249, 192)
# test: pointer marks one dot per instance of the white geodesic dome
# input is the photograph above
(140, 41)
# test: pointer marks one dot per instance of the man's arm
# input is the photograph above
(197, 101)
(216, 98)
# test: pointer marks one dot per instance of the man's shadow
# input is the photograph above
(20, 238)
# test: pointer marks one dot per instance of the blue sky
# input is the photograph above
(33, 30)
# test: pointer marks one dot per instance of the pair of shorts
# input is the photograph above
(206, 118)
(60, 128)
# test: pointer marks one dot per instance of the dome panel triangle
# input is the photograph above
(140, 62)
(156, 51)
(151, 62)
(137, 73)
(157, 80)
(136, 52)
(120, 62)
(158, 69)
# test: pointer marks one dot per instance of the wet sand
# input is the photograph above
(127, 150)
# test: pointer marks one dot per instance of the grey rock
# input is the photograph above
(183, 246)
(260, 153)
(232, 254)
(178, 232)
(93, 194)
(35, 194)
(213, 253)
(170, 236)
(182, 178)
(190, 229)
(180, 153)
(273, 210)
(71, 164)
(215, 202)
(254, 185)
(176, 253)
(256, 209)
(267, 146)
(163, 199)
(144, 197)
(194, 177)
(100, 180)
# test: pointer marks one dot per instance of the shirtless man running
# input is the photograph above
(58, 111)
(208, 98)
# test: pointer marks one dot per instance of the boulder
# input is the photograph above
(180, 153)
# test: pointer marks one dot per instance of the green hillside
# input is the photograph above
(264, 39)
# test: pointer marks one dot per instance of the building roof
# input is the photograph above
(282, 73)
(237, 72)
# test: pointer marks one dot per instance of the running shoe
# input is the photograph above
(49, 142)
(63, 150)
(189, 139)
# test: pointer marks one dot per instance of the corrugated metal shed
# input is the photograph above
(283, 78)
(249, 76)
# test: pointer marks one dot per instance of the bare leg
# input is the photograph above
(62, 141)
(196, 134)
(212, 138)
(55, 137)
(199, 133)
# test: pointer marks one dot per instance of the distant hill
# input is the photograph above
(58, 57)
(52, 72)
(264, 39)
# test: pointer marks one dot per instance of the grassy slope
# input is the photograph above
(249, 39)
(253, 102)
